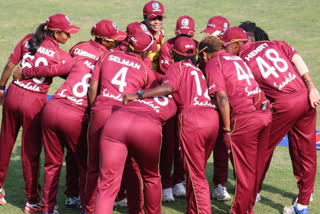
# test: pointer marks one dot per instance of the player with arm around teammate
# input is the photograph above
(198, 120)
(25, 99)
(173, 185)
(284, 77)
(115, 73)
(245, 113)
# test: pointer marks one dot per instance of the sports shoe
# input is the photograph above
(294, 210)
(167, 195)
(178, 190)
(296, 201)
(220, 193)
(258, 197)
(122, 203)
(32, 208)
(73, 202)
(2, 194)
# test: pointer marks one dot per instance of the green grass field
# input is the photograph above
(293, 21)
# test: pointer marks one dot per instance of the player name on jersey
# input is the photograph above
(253, 53)
(81, 52)
(124, 62)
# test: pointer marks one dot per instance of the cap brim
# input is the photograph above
(154, 15)
(120, 36)
(185, 32)
(212, 31)
(73, 29)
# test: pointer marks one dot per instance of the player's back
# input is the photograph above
(91, 49)
(48, 53)
(121, 72)
(270, 62)
(189, 85)
(74, 89)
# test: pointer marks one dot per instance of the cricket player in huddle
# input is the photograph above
(25, 99)
(284, 77)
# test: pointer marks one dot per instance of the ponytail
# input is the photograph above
(37, 39)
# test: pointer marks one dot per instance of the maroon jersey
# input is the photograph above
(227, 72)
(160, 108)
(189, 85)
(48, 53)
(270, 63)
(165, 55)
(119, 73)
(91, 49)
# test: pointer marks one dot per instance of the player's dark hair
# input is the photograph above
(210, 44)
(38, 38)
(96, 39)
(259, 34)
(177, 57)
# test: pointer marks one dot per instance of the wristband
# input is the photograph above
(227, 130)
(140, 93)
(2, 87)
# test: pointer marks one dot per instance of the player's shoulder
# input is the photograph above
(79, 44)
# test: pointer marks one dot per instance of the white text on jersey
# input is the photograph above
(256, 51)
(80, 52)
(45, 51)
(124, 62)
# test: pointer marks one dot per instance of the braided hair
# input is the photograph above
(259, 33)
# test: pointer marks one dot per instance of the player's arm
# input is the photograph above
(4, 78)
(303, 70)
(160, 90)
(93, 90)
(224, 108)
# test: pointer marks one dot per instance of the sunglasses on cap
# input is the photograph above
(106, 38)
(159, 18)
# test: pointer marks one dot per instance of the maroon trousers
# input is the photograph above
(249, 141)
(98, 118)
(72, 176)
(170, 154)
(62, 126)
(22, 108)
(198, 130)
(294, 116)
(140, 136)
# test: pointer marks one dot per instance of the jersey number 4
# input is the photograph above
(120, 78)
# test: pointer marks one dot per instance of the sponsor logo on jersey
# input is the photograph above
(287, 80)
(71, 98)
(112, 96)
(27, 86)
(252, 92)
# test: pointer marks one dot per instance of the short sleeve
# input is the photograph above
(215, 77)
(287, 49)
(16, 54)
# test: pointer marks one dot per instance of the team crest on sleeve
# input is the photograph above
(185, 22)
(155, 6)
(144, 27)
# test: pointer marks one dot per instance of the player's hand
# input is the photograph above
(227, 140)
(314, 97)
(2, 97)
(17, 74)
(129, 97)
